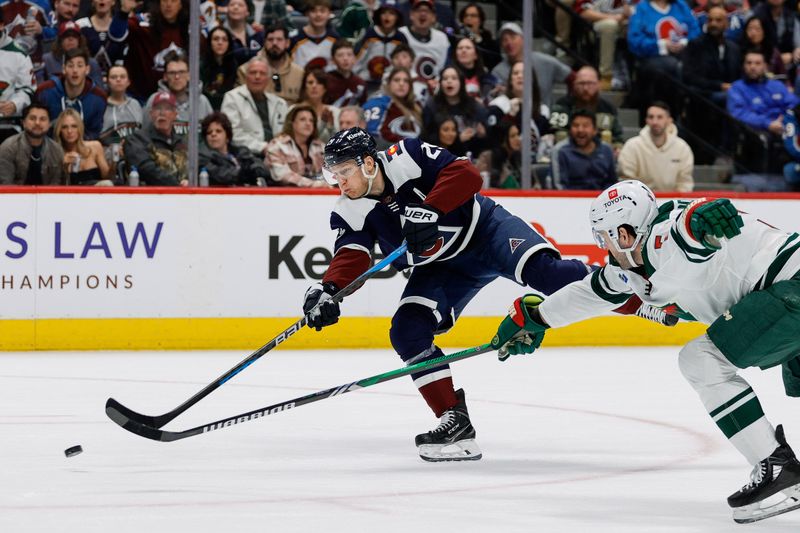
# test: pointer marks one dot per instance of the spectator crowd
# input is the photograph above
(93, 92)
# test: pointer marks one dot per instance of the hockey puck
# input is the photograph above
(73, 451)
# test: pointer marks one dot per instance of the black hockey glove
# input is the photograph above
(319, 306)
(420, 227)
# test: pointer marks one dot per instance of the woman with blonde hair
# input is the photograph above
(295, 156)
(394, 115)
(84, 161)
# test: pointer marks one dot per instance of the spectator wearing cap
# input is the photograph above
(149, 39)
(16, 75)
(445, 18)
(69, 38)
(255, 114)
(176, 82)
(76, 90)
(374, 49)
(582, 161)
(549, 70)
(431, 46)
(471, 20)
(284, 76)
(311, 47)
(344, 87)
(31, 157)
(156, 150)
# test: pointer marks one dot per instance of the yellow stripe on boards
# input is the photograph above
(351, 332)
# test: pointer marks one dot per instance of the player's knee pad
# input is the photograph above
(702, 363)
(546, 273)
(412, 330)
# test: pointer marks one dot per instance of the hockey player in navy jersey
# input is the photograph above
(458, 242)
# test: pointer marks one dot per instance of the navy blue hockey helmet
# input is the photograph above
(354, 143)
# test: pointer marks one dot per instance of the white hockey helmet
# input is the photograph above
(629, 202)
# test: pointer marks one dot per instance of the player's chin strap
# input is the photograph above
(370, 178)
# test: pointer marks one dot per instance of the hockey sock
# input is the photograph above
(730, 401)
(547, 273)
(440, 395)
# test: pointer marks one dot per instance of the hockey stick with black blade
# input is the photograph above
(162, 420)
(153, 433)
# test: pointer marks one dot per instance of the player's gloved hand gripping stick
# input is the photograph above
(122, 415)
(520, 332)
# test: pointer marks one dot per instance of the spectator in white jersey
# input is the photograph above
(311, 47)
(431, 46)
(17, 82)
(375, 48)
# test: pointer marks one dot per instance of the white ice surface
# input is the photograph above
(574, 440)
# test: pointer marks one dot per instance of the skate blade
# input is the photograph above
(463, 450)
(779, 503)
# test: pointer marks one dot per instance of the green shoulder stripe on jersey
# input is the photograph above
(730, 402)
(663, 212)
(13, 47)
(779, 262)
(740, 418)
(699, 255)
(603, 290)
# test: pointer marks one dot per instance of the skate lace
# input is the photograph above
(756, 476)
(652, 313)
(446, 422)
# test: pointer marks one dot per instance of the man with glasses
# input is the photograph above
(285, 76)
(458, 242)
(176, 81)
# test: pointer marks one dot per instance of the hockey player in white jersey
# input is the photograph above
(701, 261)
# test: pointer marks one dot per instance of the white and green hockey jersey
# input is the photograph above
(680, 275)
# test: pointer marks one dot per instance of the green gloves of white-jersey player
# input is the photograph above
(711, 221)
(520, 333)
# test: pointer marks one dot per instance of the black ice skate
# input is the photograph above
(774, 486)
(654, 314)
(453, 439)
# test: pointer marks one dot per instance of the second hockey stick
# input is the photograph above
(150, 432)
(162, 420)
